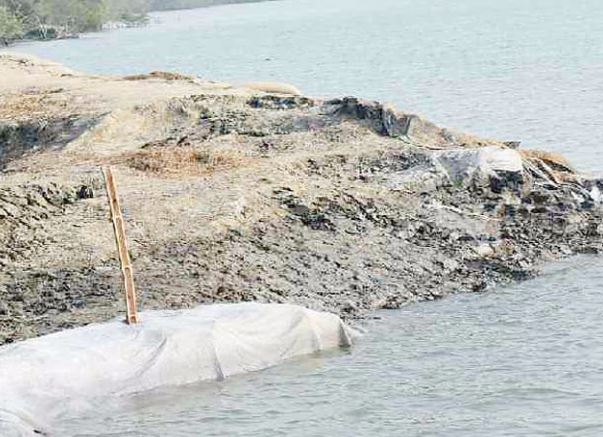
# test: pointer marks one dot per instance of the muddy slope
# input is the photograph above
(235, 194)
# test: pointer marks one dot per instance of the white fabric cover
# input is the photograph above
(38, 377)
(596, 195)
(464, 164)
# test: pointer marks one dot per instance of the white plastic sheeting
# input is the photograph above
(464, 164)
(596, 195)
(38, 377)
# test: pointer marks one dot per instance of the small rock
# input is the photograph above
(85, 192)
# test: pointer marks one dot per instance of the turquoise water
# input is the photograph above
(525, 360)
(529, 70)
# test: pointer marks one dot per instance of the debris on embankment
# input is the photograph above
(234, 194)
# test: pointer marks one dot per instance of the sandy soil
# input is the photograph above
(242, 194)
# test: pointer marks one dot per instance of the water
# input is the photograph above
(522, 360)
(513, 69)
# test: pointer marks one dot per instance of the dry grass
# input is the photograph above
(184, 161)
(554, 160)
(165, 75)
(18, 105)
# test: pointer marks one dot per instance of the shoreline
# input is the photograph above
(253, 194)
(116, 25)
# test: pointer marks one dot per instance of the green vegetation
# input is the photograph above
(11, 26)
(49, 19)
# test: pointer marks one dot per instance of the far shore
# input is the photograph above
(114, 25)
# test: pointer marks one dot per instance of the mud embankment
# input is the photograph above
(234, 194)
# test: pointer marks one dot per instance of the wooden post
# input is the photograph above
(122, 247)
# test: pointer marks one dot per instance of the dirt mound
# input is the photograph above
(273, 88)
(554, 160)
(235, 194)
(162, 75)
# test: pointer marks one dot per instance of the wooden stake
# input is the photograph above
(122, 247)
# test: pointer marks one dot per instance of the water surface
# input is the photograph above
(524, 360)
(512, 69)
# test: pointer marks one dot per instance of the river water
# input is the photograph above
(520, 360)
(524, 360)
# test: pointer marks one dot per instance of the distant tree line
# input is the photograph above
(49, 19)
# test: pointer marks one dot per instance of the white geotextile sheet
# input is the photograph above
(464, 163)
(38, 377)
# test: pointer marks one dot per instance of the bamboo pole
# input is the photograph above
(122, 246)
